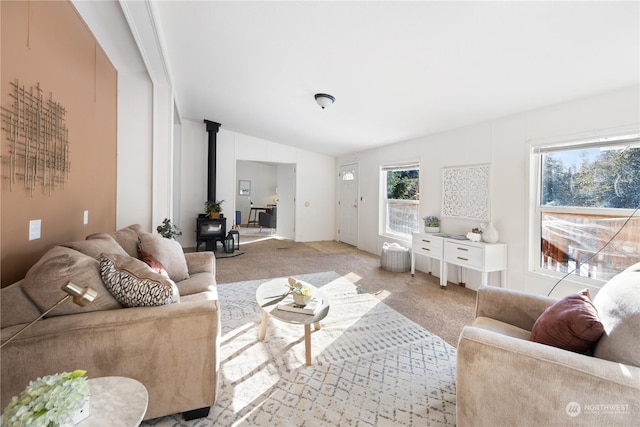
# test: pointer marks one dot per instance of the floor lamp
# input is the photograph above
(81, 296)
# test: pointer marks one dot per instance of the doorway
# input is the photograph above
(266, 185)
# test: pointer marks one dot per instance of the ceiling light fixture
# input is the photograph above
(324, 100)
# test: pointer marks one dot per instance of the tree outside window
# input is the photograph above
(401, 201)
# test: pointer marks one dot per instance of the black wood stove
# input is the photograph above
(210, 232)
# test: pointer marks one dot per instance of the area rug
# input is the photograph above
(371, 366)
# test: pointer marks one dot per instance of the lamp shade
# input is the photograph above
(81, 296)
(324, 100)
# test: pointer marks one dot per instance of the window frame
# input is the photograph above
(384, 202)
(535, 152)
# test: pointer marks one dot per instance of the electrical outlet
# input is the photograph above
(35, 226)
(86, 217)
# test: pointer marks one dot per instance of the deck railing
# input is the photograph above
(402, 218)
(577, 243)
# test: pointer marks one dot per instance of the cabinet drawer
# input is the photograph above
(428, 246)
(463, 255)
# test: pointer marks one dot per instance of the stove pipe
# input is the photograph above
(212, 130)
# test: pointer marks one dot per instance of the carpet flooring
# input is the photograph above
(420, 298)
(371, 366)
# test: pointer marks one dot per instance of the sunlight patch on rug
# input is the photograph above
(371, 366)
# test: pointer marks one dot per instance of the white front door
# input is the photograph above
(348, 204)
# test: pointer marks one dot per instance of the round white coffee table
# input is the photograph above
(116, 402)
(270, 293)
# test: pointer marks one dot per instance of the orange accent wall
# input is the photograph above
(48, 43)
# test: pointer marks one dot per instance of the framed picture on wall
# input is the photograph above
(244, 187)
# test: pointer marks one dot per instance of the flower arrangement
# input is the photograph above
(48, 401)
(431, 221)
(298, 288)
(301, 293)
(476, 230)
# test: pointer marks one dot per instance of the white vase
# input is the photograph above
(431, 229)
(301, 299)
(489, 233)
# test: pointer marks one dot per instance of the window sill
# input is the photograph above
(571, 279)
(407, 240)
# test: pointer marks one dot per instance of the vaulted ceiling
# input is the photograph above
(398, 70)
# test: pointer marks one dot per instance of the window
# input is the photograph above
(401, 199)
(348, 176)
(588, 195)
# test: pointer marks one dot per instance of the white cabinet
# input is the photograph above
(429, 246)
(479, 256)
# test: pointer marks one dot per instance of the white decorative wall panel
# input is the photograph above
(465, 192)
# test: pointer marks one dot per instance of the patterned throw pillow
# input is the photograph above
(134, 284)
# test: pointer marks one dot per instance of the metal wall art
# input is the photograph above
(465, 192)
(37, 151)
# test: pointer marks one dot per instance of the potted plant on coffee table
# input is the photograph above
(213, 208)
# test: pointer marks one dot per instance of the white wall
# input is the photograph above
(193, 182)
(134, 198)
(315, 192)
(286, 201)
(177, 169)
(502, 143)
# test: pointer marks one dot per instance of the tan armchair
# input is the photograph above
(503, 379)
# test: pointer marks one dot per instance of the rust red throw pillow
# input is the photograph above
(571, 324)
(153, 262)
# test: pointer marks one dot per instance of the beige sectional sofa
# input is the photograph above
(170, 348)
(505, 379)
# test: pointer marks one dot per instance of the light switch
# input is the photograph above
(86, 217)
(34, 229)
